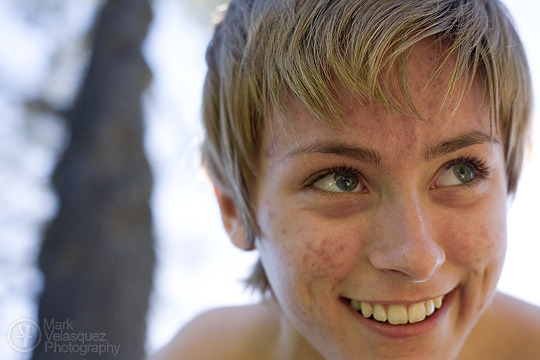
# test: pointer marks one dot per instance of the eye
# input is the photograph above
(338, 181)
(461, 171)
(456, 175)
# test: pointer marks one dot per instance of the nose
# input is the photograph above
(404, 243)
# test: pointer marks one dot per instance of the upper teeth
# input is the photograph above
(398, 314)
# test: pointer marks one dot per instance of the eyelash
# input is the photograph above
(324, 173)
(481, 171)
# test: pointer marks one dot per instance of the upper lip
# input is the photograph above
(400, 301)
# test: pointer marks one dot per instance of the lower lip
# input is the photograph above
(407, 330)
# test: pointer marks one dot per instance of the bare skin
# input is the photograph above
(509, 329)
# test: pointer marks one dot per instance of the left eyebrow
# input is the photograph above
(457, 143)
(366, 155)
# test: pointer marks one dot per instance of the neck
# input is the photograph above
(290, 343)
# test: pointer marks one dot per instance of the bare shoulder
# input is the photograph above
(515, 314)
(242, 332)
(510, 328)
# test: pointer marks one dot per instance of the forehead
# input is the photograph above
(394, 137)
(376, 126)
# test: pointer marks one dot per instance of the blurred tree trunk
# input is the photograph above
(97, 256)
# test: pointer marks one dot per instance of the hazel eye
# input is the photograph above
(340, 181)
(457, 175)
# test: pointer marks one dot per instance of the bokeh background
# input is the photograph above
(45, 47)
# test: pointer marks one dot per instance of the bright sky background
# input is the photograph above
(198, 267)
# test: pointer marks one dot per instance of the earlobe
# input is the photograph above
(232, 221)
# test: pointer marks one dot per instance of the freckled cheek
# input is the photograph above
(476, 242)
(310, 249)
(329, 257)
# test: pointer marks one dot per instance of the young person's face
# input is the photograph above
(384, 211)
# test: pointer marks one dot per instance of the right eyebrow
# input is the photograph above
(369, 156)
(458, 143)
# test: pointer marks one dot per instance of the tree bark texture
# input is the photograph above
(97, 256)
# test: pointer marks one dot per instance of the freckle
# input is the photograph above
(324, 253)
(271, 214)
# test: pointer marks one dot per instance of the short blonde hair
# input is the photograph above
(264, 51)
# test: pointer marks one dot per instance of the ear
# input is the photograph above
(232, 221)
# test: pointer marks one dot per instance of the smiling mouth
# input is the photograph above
(396, 314)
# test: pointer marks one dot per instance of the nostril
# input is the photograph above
(417, 264)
